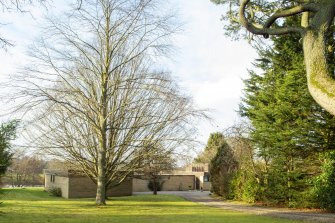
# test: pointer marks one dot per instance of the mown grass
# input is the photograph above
(34, 205)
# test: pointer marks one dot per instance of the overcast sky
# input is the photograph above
(208, 66)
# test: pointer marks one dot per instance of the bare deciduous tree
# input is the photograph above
(25, 171)
(155, 162)
(95, 91)
(237, 136)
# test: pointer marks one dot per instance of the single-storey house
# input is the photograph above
(191, 177)
(74, 185)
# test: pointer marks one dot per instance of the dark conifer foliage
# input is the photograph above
(7, 134)
(290, 130)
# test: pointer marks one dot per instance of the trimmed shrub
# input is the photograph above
(55, 191)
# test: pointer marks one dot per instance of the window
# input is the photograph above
(52, 178)
(198, 169)
(206, 177)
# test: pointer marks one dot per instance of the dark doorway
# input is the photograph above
(197, 183)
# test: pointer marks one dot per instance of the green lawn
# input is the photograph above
(34, 205)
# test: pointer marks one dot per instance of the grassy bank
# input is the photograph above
(34, 205)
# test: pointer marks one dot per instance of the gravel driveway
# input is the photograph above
(205, 199)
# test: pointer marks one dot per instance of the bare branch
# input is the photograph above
(15, 6)
(98, 98)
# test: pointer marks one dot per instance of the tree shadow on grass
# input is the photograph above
(162, 217)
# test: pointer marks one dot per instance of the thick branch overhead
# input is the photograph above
(265, 29)
(310, 7)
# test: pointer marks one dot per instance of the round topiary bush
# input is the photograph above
(55, 191)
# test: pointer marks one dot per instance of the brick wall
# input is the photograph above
(80, 187)
(74, 185)
(140, 185)
(178, 182)
(124, 189)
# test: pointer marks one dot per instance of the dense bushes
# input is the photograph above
(325, 183)
(244, 186)
(237, 173)
(240, 172)
(289, 133)
(251, 180)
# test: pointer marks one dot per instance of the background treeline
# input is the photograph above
(26, 170)
(287, 155)
(17, 167)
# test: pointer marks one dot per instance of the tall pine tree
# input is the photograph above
(289, 129)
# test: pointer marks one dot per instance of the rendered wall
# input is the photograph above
(60, 182)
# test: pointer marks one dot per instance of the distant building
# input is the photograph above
(74, 185)
(191, 177)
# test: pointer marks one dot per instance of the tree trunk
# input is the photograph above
(155, 185)
(102, 159)
(320, 83)
(101, 179)
(106, 191)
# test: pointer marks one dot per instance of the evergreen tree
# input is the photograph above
(7, 133)
(222, 169)
(289, 128)
(215, 140)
